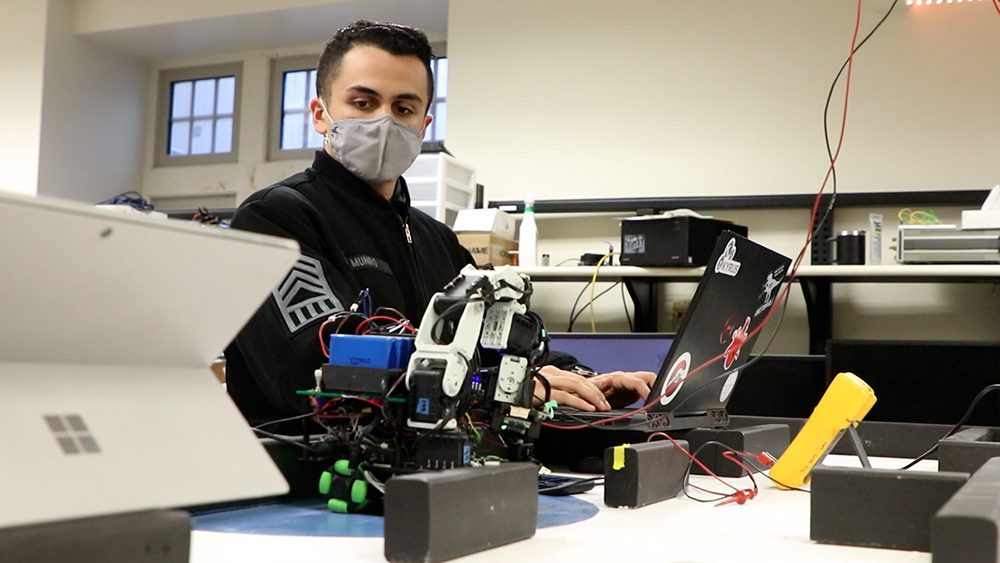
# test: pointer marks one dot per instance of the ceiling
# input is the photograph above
(267, 30)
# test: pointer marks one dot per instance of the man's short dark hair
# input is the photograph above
(398, 40)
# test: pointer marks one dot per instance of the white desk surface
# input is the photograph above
(774, 527)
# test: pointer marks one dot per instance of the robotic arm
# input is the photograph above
(487, 308)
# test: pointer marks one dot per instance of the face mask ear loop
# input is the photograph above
(329, 122)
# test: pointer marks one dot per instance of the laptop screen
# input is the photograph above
(109, 324)
(605, 351)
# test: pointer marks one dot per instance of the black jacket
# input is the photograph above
(351, 239)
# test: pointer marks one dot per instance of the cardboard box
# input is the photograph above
(487, 248)
(488, 234)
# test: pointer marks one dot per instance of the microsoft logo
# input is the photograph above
(72, 434)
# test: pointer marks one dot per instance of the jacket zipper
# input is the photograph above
(416, 266)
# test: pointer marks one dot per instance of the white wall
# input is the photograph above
(93, 115)
(590, 98)
(22, 52)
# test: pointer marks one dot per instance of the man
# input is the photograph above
(350, 212)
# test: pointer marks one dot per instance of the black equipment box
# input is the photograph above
(671, 241)
(437, 516)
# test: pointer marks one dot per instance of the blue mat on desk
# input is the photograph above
(311, 518)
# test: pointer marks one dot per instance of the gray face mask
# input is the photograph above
(376, 150)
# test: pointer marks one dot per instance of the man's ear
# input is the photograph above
(428, 119)
(320, 121)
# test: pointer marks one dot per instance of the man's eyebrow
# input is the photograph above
(361, 89)
(411, 96)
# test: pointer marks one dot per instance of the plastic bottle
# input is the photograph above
(527, 236)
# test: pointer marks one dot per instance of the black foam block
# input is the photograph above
(878, 507)
(968, 450)
(163, 536)
(641, 474)
(967, 528)
(436, 516)
(771, 438)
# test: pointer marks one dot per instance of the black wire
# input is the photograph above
(749, 461)
(485, 297)
(590, 303)
(444, 317)
(573, 483)
(826, 113)
(628, 317)
(445, 417)
(545, 384)
(573, 310)
(954, 429)
(763, 471)
(719, 496)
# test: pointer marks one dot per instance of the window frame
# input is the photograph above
(429, 138)
(275, 113)
(163, 105)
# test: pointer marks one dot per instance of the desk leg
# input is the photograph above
(644, 296)
(819, 310)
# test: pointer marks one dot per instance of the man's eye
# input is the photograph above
(403, 110)
(362, 104)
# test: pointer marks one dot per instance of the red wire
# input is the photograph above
(405, 324)
(731, 456)
(322, 343)
(738, 495)
(695, 460)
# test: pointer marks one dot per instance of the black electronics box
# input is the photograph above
(671, 241)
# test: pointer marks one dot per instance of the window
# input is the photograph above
(439, 107)
(293, 85)
(198, 115)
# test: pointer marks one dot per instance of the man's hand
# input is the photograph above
(597, 393)
(622, 388)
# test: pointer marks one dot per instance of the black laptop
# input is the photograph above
(698, 374)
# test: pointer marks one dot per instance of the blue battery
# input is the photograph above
(383, 352)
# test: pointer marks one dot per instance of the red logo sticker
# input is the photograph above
(735, 345)
(675, 378)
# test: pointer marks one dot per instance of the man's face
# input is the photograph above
(372, 83)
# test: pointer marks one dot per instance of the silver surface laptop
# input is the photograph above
(109, 323)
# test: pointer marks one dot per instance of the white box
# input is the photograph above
(440, 185)
(493, 221)
(986, 218)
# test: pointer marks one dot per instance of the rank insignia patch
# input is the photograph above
(305, 295)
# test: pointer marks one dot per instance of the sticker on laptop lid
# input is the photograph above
(675, 378)
(767, 290)
(728, 386)
(726, 264)
(739, 337)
